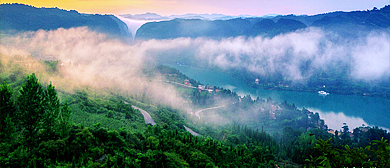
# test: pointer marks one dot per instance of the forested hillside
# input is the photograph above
(20, 17)
(338, 22)
(43, 127)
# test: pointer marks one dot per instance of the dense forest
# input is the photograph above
(21, 17)
(39, 128)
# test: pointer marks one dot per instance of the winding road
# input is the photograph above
(197, 112)
(191, 132)
(148, 119)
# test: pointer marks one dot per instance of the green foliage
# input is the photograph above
(7, 112)
(31, 109)
(51, 140)
(57, 142)
(51, 65)
(39, 120)
(376, 154)
(52, 110)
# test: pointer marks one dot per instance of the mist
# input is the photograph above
(88, 58)
(367, 56)
(296, 56)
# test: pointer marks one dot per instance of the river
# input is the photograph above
(355, 110)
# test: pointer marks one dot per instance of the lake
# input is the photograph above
(335, 109)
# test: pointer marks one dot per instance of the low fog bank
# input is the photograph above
(299, 54)
(296, 56)
(92, 59)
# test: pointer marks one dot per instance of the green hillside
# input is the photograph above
(20, 17)
(42, 126)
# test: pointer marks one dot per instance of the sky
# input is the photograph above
(227, 7)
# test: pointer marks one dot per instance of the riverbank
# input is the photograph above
(352, 105)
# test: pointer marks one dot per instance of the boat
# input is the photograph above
(321, 92)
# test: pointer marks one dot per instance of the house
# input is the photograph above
(333, 132)
(186, 82)
(201, 87)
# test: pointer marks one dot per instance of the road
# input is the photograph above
(148, 119)
(190, 130)
(197, 112)
(180, 84)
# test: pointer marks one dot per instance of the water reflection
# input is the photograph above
(334, 120)
(335, 109)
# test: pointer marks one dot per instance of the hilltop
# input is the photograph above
(20, 17)
(339, 22)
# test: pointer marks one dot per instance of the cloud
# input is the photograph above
(372, 59)
(298, 54)
(93, 59)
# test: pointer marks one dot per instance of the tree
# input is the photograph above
(7, 110)
(31, 109)
(376, 154)
(64, 120)
(345, 134)
(52, 109)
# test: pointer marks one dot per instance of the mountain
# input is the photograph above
(215, 29)
(20, 17)
(343, 23)
(203, 16)
(156, 17)
(146, 16)
(269, 28)
(192, 28)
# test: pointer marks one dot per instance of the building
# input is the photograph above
(186, 82)
(201, 87)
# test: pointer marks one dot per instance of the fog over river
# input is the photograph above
(335, 109)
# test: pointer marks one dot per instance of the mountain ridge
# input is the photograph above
(339, 22)
(21, 17)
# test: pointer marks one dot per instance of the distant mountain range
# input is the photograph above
(20, 17)
(156, 17)
(343, 23)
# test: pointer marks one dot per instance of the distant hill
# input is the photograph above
(192, 28)
(156, 17)
(344, 23)
(20, 17)
(146, 16)
(215, 29)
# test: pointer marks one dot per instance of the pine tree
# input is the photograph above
(52, 109)
(64, 120)
(31, 109)
(7, 110)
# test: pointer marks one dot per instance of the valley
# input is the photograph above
(193, 90)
